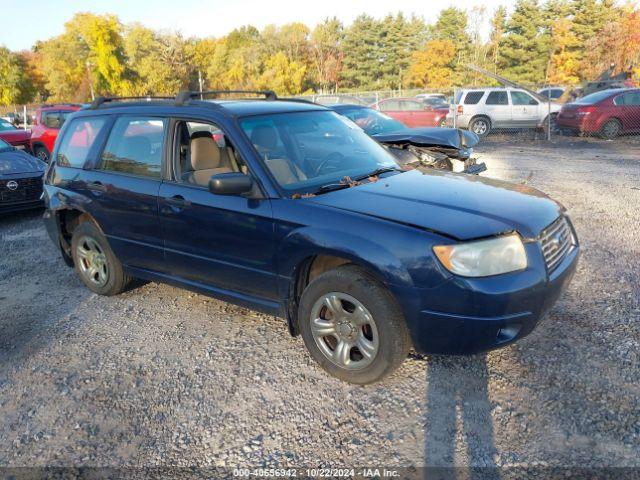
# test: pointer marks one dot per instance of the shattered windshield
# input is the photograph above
(307, 150)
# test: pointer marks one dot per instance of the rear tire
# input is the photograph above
(345, 312)
(95, 262)
(481, 126)
(610, 129)
(42, 153)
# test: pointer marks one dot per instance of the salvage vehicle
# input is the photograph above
(20, 180)
(14, 136)
(607, 113)
(291, 209)
(48, 121)
(430, 147)
(413, 112)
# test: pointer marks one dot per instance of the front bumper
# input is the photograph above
(467, 316)
(20, 206)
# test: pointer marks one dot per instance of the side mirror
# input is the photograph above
(231, 183)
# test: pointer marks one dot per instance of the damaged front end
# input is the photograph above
(440, 148)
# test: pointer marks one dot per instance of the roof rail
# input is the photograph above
(185, 96)
(100, 100)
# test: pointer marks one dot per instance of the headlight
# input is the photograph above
(484, 257)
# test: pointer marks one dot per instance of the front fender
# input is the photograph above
(306, 242)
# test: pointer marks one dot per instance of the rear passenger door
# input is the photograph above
(222, 242)
(628, 109)
(498, 108)
(123, 188)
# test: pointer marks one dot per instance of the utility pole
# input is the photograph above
(93, 96)
(200, 82)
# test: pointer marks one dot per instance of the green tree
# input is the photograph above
(524, 48)
(498, 29)
(15, 85)
(362, 56)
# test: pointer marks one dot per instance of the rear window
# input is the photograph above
(497, 98)
(594, 98)
(54, 119)
(78, 140)
(135, 146)
(473, 98)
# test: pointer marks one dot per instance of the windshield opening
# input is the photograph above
(307, 150)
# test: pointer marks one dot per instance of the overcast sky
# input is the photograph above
(203, 18)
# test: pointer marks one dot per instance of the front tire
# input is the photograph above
(481, 126)
(95, 263)
(42, 153)
(352, 325)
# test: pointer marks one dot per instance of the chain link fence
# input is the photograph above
(499, 114)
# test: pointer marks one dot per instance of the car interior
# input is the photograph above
(203, 151)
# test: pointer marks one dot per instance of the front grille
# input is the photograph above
(557, 241)
(28, 189)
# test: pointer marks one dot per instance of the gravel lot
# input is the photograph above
(161, 376)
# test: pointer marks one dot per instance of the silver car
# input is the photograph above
(484, 109)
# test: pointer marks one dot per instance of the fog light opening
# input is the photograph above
(508, 333)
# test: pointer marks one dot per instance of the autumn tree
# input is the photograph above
(15, 85)
(327, 54)
(432, 67)
(283, 76)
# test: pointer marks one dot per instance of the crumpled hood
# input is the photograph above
(455, 205)
(462, 141)
(17, 161)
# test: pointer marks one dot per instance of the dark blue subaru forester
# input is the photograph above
(291, 209)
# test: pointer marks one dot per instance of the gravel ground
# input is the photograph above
(161, 376)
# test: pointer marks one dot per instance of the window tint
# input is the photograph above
(135, 146)
(497, 98)
(522, 98)
(78, 140)
(473, 98)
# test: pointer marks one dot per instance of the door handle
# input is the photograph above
(97, 187)
(177, 202)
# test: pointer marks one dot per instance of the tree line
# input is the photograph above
(553, 42)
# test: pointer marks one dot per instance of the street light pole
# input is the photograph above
(93, 96)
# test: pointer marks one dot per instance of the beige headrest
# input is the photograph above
(205, 153)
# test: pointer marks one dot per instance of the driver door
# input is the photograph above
(224, 242)
(525, 109)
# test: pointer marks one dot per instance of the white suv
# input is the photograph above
(483, 109)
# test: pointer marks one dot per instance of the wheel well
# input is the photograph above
(306, 271)
(39, 145)
(69, 221)
(475, 117)
(616, 119)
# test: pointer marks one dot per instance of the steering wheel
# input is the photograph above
(335, 158)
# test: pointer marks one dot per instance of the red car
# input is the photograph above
(412, 112)
(47, 123)
(15, 136)
(607, 113)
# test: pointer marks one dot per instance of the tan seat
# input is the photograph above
(265, 139)
(205, 159)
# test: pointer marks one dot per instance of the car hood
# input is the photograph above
(456, 205)
(450, 138)
(16, 161)
(15, 135)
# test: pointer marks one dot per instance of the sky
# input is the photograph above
(203, 18)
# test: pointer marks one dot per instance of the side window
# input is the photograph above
(473, 98)
(522, 98)
(135, 146)
(630, 99)
(390, 106)
(497, 98)
(52, 119)
(78, 140)
(411, 106)
(203, 150)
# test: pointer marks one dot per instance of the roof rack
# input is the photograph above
(101, 100)
(184, 97)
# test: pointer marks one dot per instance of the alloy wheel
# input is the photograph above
(92, 261)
